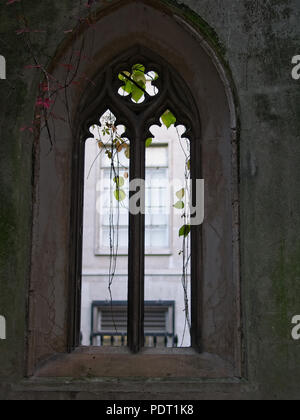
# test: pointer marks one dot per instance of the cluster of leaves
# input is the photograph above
(180, 205)
(117, 144)
(135, 82)
(113, 148)
(119, 193)
(185, 230)
(28, 35)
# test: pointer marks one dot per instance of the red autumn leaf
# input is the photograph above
(45, 103)
(26, 128)
(44, 87)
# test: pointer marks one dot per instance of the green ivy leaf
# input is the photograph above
(109, 154)
(120, 195)
(137, 85)
(128, 86)
(139, 67)
(185, 230)
(127, 152)
(122, 77)
(179, 205)
(168, 119)
(139, 78)
(180, 194)
(119, 181)
(188, 165)
(137, 93)
(149, 142)
(155, 76)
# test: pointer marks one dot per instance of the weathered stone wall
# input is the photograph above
(257, 40)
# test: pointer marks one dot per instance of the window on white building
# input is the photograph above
(109, 324)
(157, 201)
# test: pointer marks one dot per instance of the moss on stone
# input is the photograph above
(286, 289)
(200, 24)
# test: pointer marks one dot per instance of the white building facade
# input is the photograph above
(104, 295)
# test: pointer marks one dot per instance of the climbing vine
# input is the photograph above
(136, 83)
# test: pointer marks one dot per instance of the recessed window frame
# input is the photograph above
(53, 320)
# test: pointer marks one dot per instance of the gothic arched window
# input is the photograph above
(193, 87)
(139, 91)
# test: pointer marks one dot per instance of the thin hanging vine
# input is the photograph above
(136, 83)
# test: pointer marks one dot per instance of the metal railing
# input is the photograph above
(120, 339)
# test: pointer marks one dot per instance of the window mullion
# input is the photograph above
(136, 260)
(196, 257)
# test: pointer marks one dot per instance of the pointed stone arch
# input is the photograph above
(55, 294)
